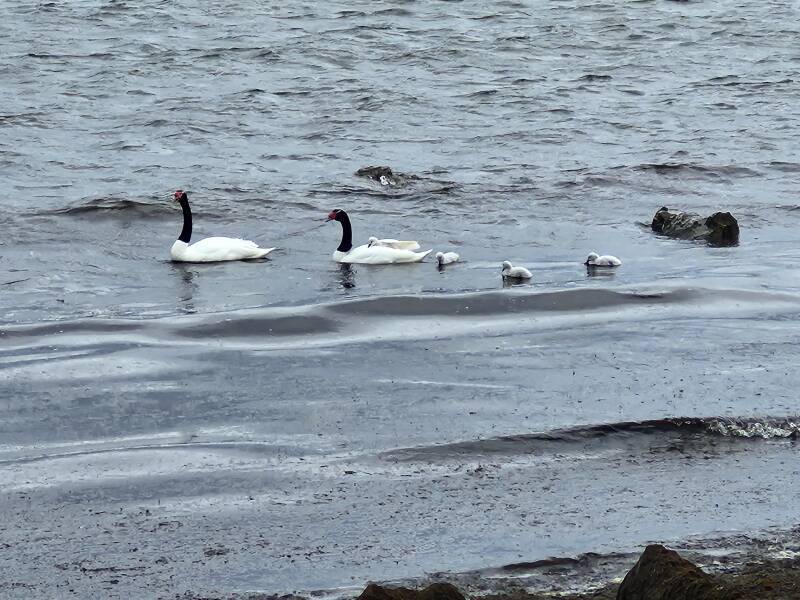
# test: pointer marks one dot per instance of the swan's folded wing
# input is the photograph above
(406, 245)
(398, 244)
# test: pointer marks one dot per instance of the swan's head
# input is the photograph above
(592, 256)
(372, 240)
(506, 265)
(180, 195)
(440, 257)
(335, 215)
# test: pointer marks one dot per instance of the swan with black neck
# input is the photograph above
(212, 249)
(368, 254)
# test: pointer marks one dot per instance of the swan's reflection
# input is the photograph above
(347, 276)
(594, 271)
(187, 288)
(509, 282)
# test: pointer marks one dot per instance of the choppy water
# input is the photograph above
(292, 425)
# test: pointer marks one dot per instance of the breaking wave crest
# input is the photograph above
(662, 434)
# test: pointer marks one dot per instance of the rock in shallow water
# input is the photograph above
(436, 591)
(720, 228)
(661, 574)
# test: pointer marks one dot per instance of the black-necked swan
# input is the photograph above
(446, 258)
(511, 272)
(212, 249)
(390, 243)
(606, 260)
(366, 254)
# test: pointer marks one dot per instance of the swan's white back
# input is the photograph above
(215, 249)
(378, 255)
(391, 243)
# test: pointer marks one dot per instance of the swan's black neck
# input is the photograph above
(347, 232)
(186, 232)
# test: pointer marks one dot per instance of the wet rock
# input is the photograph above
(384, 175)
(435, 591)
(721, 228)
(661, 574)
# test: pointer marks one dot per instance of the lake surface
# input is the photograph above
(292, 425)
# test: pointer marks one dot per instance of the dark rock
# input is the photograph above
(661, 574)
(375, 173)
(435, 591)
(721, 228)
(385, 176)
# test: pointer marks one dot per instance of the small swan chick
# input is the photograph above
(446, 258)
(511, 272)
(595, 260)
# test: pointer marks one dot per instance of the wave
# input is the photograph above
(101, 206)
(426, 316)
(671, 434)
(491, 303)
(696, 169)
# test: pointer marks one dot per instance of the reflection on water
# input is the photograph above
(347, 276)
(594, 271)
(510, 282)
(187, 288)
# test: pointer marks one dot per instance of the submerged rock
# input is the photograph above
(721, 228)
(661, 574)
(435, 591)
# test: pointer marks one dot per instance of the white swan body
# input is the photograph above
(390, 243)
(511, 272)
(216, 249)
(446, 258)
(594, 260)
(369, 254)
(378, 255)
(213, 249)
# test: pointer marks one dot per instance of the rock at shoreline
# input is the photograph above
(661, 574)
(435, 591)
(721, 228)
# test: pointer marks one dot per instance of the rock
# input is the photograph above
(385, 176)
(721, 228)
(661, 574)
(435, 591)
(375, 173)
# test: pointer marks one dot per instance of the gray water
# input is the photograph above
(293, 425)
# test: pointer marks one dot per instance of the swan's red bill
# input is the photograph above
(178, 194)
(332, 215)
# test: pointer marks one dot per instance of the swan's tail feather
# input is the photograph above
(421, 255)
(262, 252)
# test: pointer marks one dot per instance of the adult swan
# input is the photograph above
(366, 254)
(213, 249)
